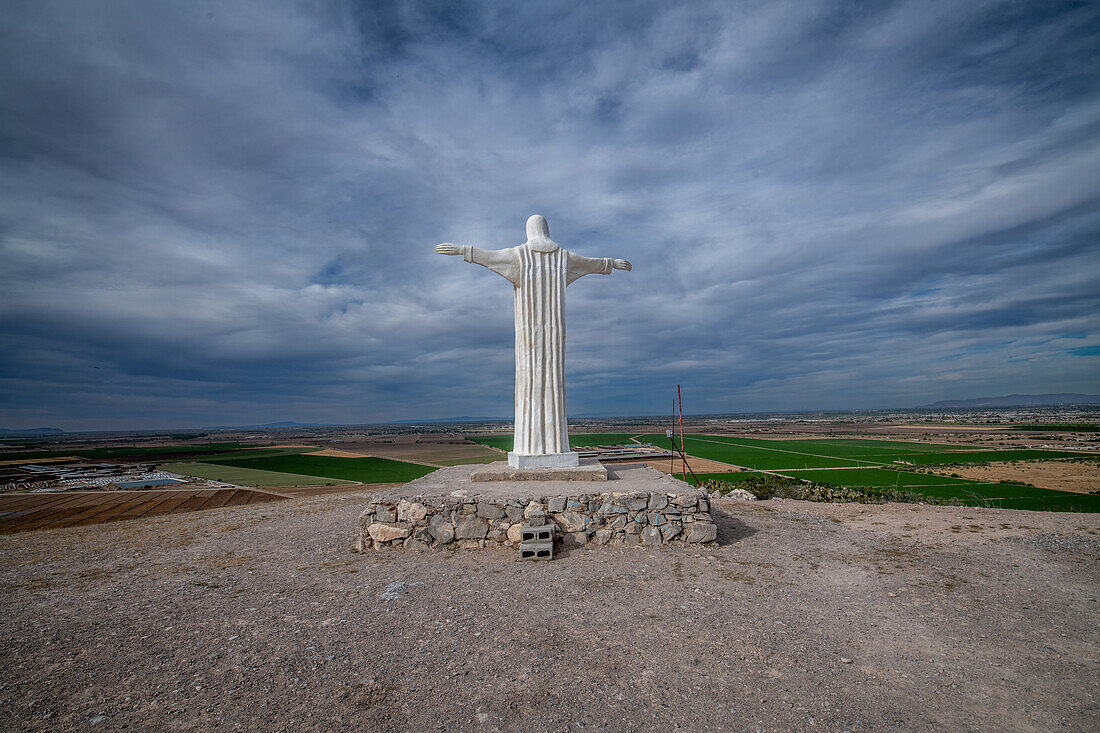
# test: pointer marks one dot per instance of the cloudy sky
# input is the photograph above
(225, 212)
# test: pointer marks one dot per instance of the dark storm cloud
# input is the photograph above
(215, 213)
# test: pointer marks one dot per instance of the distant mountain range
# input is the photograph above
(1019, 400)
(1012, 400)
(288, 424)
(464, 418)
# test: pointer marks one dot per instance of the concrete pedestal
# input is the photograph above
(588, 470)
(549, 460)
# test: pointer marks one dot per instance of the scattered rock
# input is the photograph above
(393, 590)
(618, 523)
(555, 505)
(575, 539)
(610, 507)
(701, 532)
(383, 532)
(469, 527)
(411, 511)
(441, 529)
(571, 521)
(489, 511)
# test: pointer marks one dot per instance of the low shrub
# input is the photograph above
(778, 487)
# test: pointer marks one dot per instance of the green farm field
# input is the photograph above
(970, 493)
(244, 476)
(864, 462)
(584, 440)
(367, 470)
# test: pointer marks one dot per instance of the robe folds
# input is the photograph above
(539, 279)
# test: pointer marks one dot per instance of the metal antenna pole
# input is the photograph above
(680, 402)
(672, 441)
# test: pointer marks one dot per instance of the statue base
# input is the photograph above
(588, 470)
(636, 505)
(548, 460)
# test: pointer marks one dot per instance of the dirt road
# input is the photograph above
(259, 618)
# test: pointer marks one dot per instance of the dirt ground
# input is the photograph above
(806, 617)
(699, 465)
(1079, 476)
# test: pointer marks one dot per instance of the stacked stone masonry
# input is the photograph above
(465, 522)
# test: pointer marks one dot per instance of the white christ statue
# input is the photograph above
(539, 271)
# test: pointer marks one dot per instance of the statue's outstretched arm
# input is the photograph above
(504, 262)
(579, 266)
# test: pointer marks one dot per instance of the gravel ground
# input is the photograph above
(807, 617)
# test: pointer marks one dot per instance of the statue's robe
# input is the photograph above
(539, 279)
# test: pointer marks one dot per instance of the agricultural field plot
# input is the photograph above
(367, 470)
(156, 453)
(582, 440)
(447, 454)
(244, 476)
(1076, 427)
(280, 450)
(751, 456)
(591, 440)
(990, 456)
(970, 493)
(500, 442)
(469, 461)
(847, 447)
(837, 453)
(726, 478)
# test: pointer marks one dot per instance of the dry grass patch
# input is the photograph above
(1078, 476)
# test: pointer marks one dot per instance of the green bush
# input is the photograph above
(777, 487)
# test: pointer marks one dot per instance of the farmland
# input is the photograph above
(367, 470)
(243, 476)
(865, 462)
(138, 453)
(581, 440)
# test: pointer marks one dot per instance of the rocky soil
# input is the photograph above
(806, 617)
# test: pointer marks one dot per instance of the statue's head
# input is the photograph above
(538, 234)
(537, 228)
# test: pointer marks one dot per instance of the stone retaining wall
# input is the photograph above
(654, 518)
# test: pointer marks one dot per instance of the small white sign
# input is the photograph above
(668, 433)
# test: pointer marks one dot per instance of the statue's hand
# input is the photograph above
(448, 249)
(621, 264)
